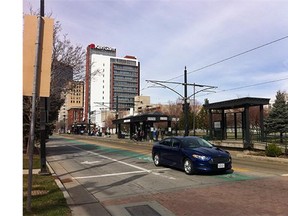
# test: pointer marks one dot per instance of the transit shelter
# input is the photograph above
(218, 126)
(142, 122)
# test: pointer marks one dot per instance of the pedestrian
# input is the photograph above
(162, 133)
(141, 135)
(156, 134)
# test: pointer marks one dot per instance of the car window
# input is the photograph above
(195, 143)
(175, 143)
(204, 143)
(190, 143)
(166, 142)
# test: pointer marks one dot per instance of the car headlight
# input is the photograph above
(201, 157)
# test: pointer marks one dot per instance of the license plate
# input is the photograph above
(221, 165)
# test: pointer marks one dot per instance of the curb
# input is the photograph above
(60, 185)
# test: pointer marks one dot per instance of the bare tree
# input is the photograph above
(109, 119)
(68, 63)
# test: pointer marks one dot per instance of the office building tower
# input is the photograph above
(111, 83)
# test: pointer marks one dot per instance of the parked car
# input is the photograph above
(191, 154)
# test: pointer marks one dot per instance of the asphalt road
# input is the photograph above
(122, 177)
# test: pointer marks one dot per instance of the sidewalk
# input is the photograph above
(80, 201)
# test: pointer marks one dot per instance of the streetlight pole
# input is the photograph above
(35, 96)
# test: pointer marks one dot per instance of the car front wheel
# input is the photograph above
(188, 166)
(156, 159)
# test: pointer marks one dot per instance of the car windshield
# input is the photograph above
(194, 142)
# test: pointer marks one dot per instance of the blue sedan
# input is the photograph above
(192, 154)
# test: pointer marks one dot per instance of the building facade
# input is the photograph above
(111, 83)
(71, 112)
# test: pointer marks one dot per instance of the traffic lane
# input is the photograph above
(260, 167)
(242, 165)
(116, 174)
(122, 150)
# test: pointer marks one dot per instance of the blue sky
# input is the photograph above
(167, 35)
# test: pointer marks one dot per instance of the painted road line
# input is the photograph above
(122, 162)
(90, 162)
(161, 169)
(154, 171)
(112, 159)
(109, 175)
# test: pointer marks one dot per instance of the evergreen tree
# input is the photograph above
(277, 121)
(203, 118)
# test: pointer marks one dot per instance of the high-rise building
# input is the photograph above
(111, 82)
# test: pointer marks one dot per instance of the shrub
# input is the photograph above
(273, 150)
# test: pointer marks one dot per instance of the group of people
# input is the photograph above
(153, 135)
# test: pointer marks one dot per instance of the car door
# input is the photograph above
(174, 155)
(166, 151)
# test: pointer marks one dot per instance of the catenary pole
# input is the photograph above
(186, 104)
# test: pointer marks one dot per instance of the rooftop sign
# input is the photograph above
(105, 48)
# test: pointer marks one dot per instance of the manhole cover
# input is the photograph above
(142, 210)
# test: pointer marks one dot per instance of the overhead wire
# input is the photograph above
(231, 57)
(248, 86)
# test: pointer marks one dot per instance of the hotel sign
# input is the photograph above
(105, 48)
